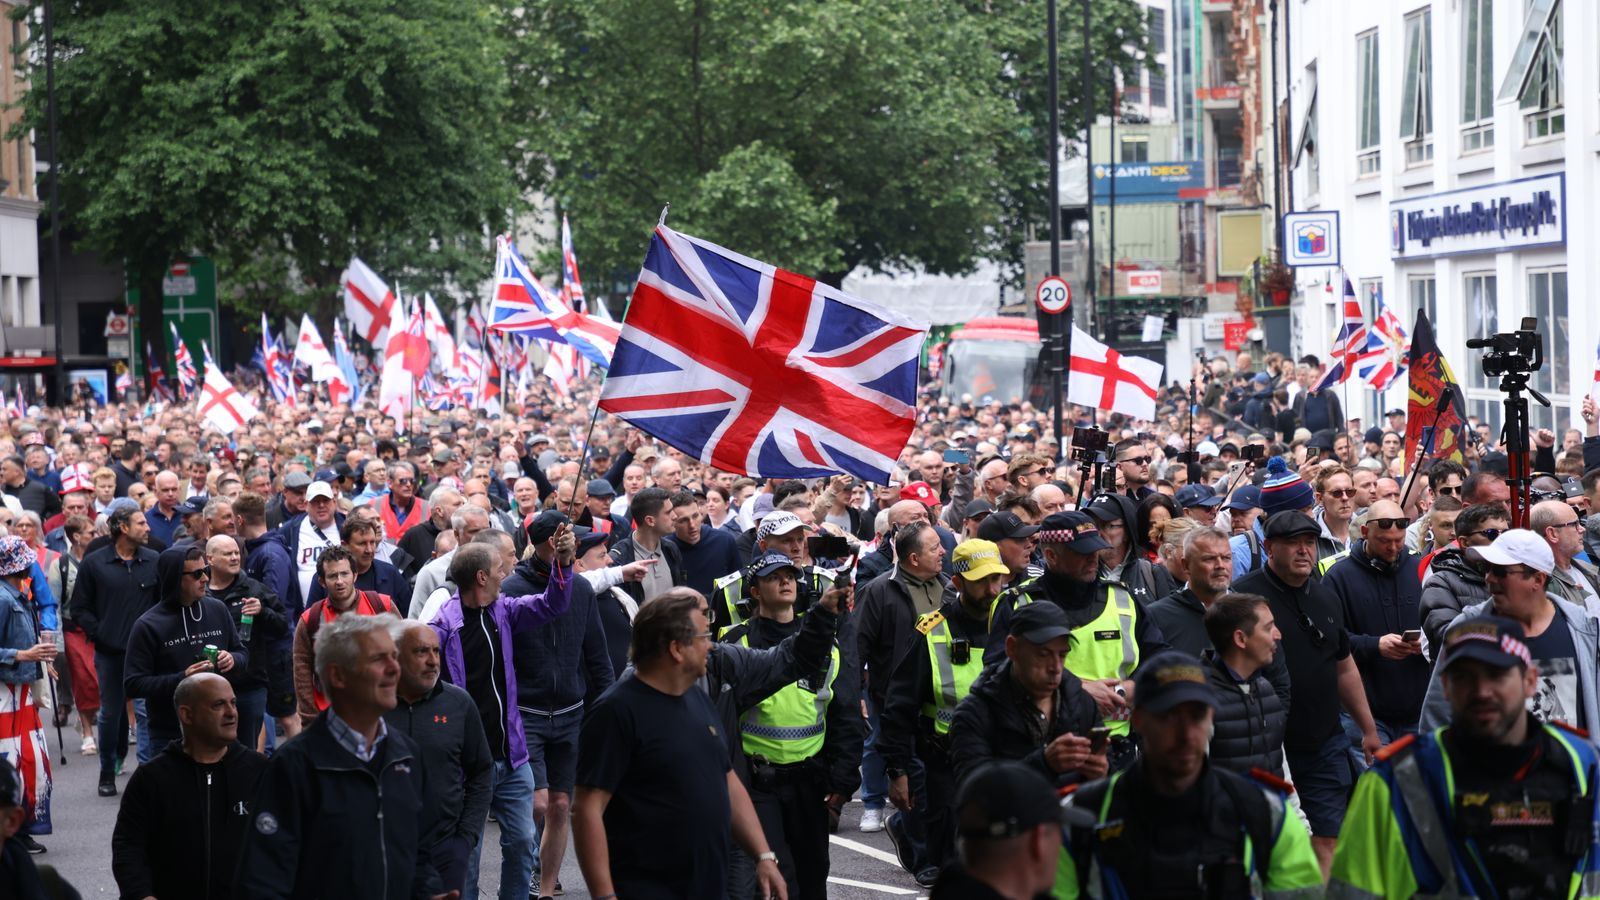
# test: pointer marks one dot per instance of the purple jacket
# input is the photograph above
(510, 614)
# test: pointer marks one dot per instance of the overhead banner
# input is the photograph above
(1151, 182)
(1511, 215)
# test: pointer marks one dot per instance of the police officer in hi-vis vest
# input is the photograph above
(1174, 826)
(1495, 804)
(924, 688)
(1110, 633)
(803, 743)
(781, 532)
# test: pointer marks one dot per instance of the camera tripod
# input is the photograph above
(1519, 461)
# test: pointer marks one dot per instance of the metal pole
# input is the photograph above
(1108, 326)
(55, 195)
(1060, 323)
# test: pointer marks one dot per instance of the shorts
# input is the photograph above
(280, 685)
(553, 748)
(1322, 779)
(80, 663)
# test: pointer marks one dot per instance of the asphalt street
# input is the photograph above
(80, 849)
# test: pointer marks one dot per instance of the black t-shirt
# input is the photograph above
(666, 766)
(486, 675)
(1559, 695)
(1314, 641)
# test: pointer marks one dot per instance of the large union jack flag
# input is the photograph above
(760, 371)
(1348, 345)
(1388, 345)
(523, 305)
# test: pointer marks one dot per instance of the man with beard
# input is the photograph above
(1122, 562)
(1519, 796)
(1174, 825)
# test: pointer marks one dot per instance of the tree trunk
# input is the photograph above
(152, 321)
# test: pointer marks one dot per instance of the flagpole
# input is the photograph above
(594, 415)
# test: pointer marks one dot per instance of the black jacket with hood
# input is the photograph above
(181, 824)
(565, 662)
(169, 639)
(1146, 581)
(996, 720)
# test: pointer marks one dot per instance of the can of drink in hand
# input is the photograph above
(211, 651)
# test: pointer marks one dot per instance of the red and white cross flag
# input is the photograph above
(368, 303)
(311, 351)
(397, 385)
(1102, 378)
(222, 407)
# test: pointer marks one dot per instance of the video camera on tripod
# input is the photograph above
(1512, 357)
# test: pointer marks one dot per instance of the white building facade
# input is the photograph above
(1460, 145)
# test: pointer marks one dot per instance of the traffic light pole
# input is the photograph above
(1060, 323)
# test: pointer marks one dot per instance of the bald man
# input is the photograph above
(881, 560)
(177, 837)
(444, 721)
(1380, 591)
(1561, 526)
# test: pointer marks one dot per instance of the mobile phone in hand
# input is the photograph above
(1411, 635)
(1098, 737)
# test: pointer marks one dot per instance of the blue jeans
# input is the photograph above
(512, 805)
(874, 783)
(112, 720)
(252, 710)
(1388, 733)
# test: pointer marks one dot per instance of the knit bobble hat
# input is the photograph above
(1284, 489)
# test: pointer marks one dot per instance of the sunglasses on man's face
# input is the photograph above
(1489, 533)
(1504, 571)
(1448, 491)
(199, 574)
(1136, 460)
(1385, 524)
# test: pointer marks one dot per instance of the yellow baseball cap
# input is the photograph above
(977, 559)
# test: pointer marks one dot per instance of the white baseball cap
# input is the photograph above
(778, 523)
(319, 489)
(1518, 546)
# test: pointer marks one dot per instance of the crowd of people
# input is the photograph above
(1257, 649)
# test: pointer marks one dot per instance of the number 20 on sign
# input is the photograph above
(1052, 295)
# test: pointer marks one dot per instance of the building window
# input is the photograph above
(1425, 296)
(1416, 100)
(1477, 75)
(1483, 319)
(1157, 20)
(1158, 86)
(1547, 302)
(1133, 148)
(1305, 149)
(1534, 79)
(1368, 157)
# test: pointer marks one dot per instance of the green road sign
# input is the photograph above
(188, 301)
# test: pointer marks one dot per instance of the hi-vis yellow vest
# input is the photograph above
(1105, 647)
(790, 726)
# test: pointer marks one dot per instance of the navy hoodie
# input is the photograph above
(169, 638)
(565, 661)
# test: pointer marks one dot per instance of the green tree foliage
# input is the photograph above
(283, 138)
(815, 135)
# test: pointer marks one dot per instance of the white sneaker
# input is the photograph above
(88, 748)
(871, 820)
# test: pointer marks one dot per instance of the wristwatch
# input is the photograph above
(894, 773)
(768, 856)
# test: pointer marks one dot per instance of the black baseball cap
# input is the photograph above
(978, 508)
(599, 487)
(1076, 530)
(544, 525)
(1493, 640)
(1105, 508)
(1168, 679)
(1290, 523)
(1006, 524)
(1006, 798)
(1039, 623)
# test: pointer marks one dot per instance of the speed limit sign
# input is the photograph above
(1053, 295)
